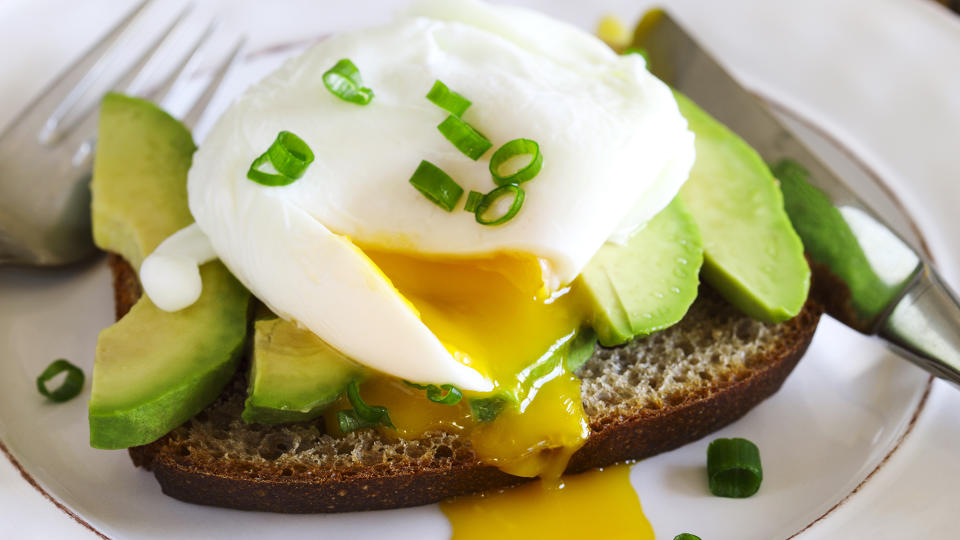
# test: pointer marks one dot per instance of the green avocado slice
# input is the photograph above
(752, 255)
(294, 375)
(154, 369)
(648, 283)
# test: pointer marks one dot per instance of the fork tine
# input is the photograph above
(135, 84)
(73, 83)
(196, 111)
(133, 72)
(175, 78)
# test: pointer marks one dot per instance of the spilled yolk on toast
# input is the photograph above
(493, 314)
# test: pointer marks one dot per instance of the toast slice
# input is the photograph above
(649, 396)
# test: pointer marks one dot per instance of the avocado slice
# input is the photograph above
(294, 374)
(752, 255)
(648, 283)
(154, 369)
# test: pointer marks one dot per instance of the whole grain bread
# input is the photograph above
(646, 397)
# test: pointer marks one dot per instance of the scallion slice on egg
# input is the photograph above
(510, 150)
(288, 154)
(447, 99)
(491, 198)
(473, 200)
(468, 140)
(344, 81)
(436, 185)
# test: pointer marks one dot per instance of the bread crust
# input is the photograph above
(615, 437)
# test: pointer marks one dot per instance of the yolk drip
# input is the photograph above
(594, 504)
(494, 315)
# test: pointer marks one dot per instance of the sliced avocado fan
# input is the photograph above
(154, 369)
(752, 255)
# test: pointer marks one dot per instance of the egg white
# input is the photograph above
(616, 151)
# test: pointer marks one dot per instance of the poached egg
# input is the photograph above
(352, 252)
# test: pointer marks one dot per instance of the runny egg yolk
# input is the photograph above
(594, 504)
(494, 315)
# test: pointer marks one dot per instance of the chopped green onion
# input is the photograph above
(686, 536)
(468, 140)
(490, 198)
(288, 154)
(362, 415)
(487, 409)
(473, 199)
(445, 394)
(733, 468)
(447, 99)
(436, 185)
(514, 148)
(343, 80)
(70, 387)
(638, 50)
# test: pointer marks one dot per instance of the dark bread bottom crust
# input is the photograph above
(614, 438)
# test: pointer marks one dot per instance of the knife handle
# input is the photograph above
(925, 325)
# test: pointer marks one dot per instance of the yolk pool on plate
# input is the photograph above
(594, 504)
(494, 315)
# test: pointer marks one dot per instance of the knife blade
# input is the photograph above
(868, 277)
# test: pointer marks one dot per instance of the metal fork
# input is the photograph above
(46, 152)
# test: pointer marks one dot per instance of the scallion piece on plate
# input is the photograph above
(289, 155)
(447, 99)
(436, 185)
(70, 387)
(733, 468)
(491, 198)
(468, 140)
(344, 81)
(473, 199)
(686, 536)
(502, 174)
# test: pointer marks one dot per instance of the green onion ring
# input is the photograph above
(447, 99)
(462, 135)
(686, 536)
(487, 201)
(445, 394)
(344, 81)
(436, 185)
(288, 154)
(72, 383)
(516, 147)
(733, 468)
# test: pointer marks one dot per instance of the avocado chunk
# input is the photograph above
(752, 255)
(648, 283)
(153, 369)
(294, 374)
(139, 180)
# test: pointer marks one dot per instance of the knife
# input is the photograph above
(867, 276)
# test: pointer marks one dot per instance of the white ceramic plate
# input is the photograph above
(835, 74)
